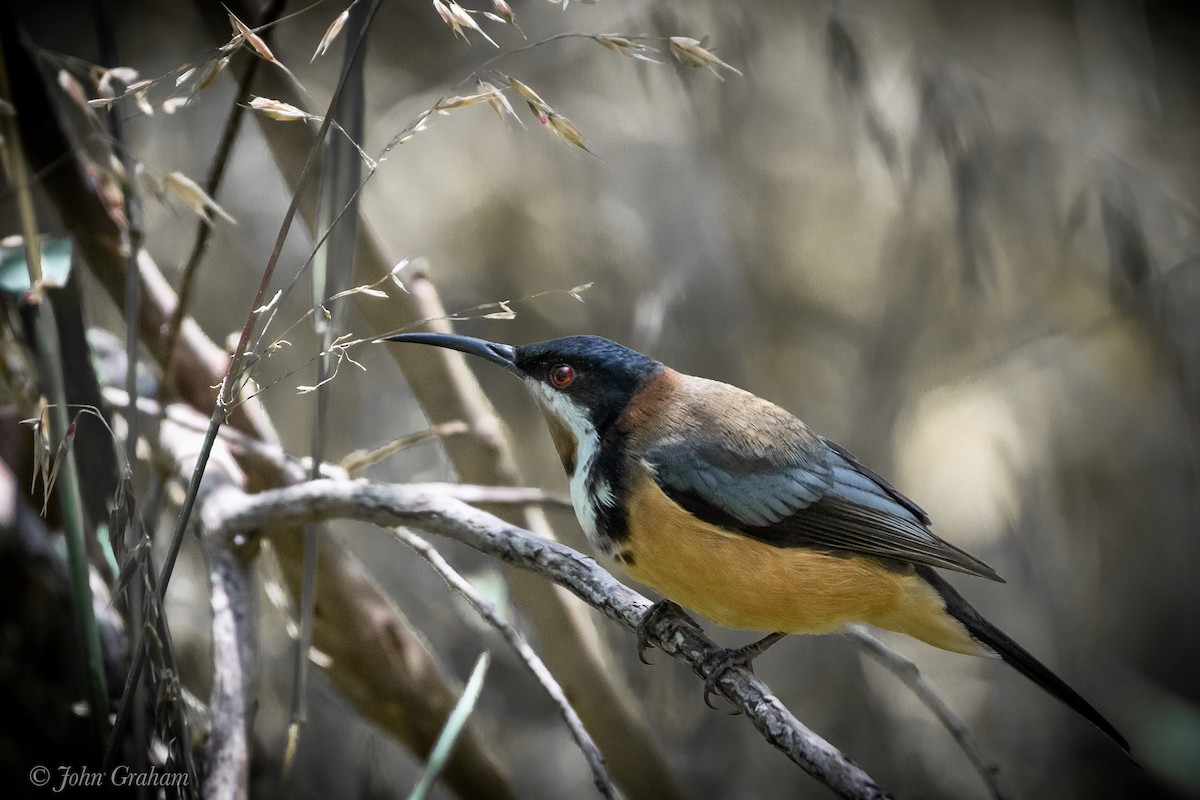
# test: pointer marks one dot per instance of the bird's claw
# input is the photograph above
(720, 663)
(652, 615)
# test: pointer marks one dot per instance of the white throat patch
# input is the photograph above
(587, 444)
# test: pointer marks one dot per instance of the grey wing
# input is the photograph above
(816, 496)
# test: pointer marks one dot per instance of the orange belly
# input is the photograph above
(740, 582)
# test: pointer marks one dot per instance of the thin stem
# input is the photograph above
(233, 512)
(224, 395)
(139, 651)
(910, 676)
(49, 363)
(216, 173)
(517, 642)
(49, 368)
(133, 235)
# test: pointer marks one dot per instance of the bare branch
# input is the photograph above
(360, 460)
(227, 751)
(230, 512)
(358, 619)
(517, 642)
(447, 391)
(910, 676)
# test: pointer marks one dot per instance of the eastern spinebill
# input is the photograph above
(731, 507)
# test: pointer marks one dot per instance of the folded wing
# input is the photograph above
(806, 492)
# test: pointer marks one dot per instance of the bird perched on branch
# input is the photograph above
(733, 508)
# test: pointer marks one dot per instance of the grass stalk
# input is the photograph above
(226, 396)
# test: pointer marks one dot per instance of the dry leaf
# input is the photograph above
(218, 66)
(251, 38)
(331, 33)
(277, 109)
(269, 305)
(183, 76)
(64, 448)
(195, 198)
(563, 128)
(507, 313)
(461, 16)
(173, 104)
(394, 274)
(498, 102)
(579, 290)
(142, 103)
(444, 13)
(41, 446)
(462, 101)
(74, 90)
(504, 10)
(627, 47)
(110, 190)
(504, 13)
(457, 18)
(535, 101)
(363, 289)
(124, 75)
(554, 122)
(689, 53)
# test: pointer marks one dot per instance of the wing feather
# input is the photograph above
(807, 492)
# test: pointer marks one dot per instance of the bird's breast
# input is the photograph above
(740, 582)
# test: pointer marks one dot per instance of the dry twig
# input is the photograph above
(229, 512)
(910, 676)
(447, 390)
(517, 642)
(227, 750)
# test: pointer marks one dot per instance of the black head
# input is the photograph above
(574, 374)
(591, 372)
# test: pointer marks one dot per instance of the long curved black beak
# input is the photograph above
(505, 355)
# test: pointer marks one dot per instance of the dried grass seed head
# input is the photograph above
(691, 53)
(331, 34)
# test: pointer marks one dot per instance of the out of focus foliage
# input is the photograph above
(962, 239)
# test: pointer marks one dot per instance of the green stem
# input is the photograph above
(67, 488)
(226, 396)
(49, 363)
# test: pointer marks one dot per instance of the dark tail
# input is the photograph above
(1016, 656)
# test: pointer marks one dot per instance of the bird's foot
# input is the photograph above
(653, 614)
(721, 662)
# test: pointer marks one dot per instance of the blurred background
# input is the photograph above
(959, 239)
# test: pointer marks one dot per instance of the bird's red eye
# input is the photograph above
(562, 376)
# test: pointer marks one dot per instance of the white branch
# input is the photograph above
(229, 512)
(233, 637)
(526, 653)
(910, 676)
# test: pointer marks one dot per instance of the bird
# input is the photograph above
(733, 508)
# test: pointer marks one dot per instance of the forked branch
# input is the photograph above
(231, 512)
